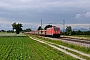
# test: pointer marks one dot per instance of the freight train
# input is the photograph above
(53, 31)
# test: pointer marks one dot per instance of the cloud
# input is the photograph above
(30, 12)
(87, 26)
(87, 14)
(80, 15)
(83, 15)
(7, 25)
(4, 21)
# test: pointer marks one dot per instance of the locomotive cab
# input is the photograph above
(53, 31)
(56, 32)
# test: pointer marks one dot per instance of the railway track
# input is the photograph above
(75, 40)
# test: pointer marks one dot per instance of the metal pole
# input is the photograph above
(50, 23)
(63, 25)
(31, 27)
(41, 26)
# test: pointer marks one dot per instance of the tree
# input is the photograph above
(73, 32)
(17, 27)
(14, 26)
(10, 31)
(28, 30)
(39, 28)
(69, 30)
(47, 26)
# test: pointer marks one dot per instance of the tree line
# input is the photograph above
(18, 28)
(69, 31)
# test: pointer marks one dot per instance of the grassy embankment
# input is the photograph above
(77, 47)
(80, 36)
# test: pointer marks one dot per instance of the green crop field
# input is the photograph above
(11, 34)
(24, 48)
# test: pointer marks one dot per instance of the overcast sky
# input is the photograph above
(76, 13)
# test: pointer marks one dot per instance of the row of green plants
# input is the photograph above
(77, 47)
(24, 48)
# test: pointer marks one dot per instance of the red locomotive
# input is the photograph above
(53, 31)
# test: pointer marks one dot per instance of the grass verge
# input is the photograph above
(73, 46)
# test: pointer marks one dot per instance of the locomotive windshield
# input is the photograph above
(56, 29)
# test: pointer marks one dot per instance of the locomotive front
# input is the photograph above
(56, 32)
(53, 31)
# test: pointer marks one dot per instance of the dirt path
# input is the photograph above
(62, 50)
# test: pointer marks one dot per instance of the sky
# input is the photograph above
(29, 13)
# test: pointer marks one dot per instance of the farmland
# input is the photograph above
(24, 48)
(11, 34)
